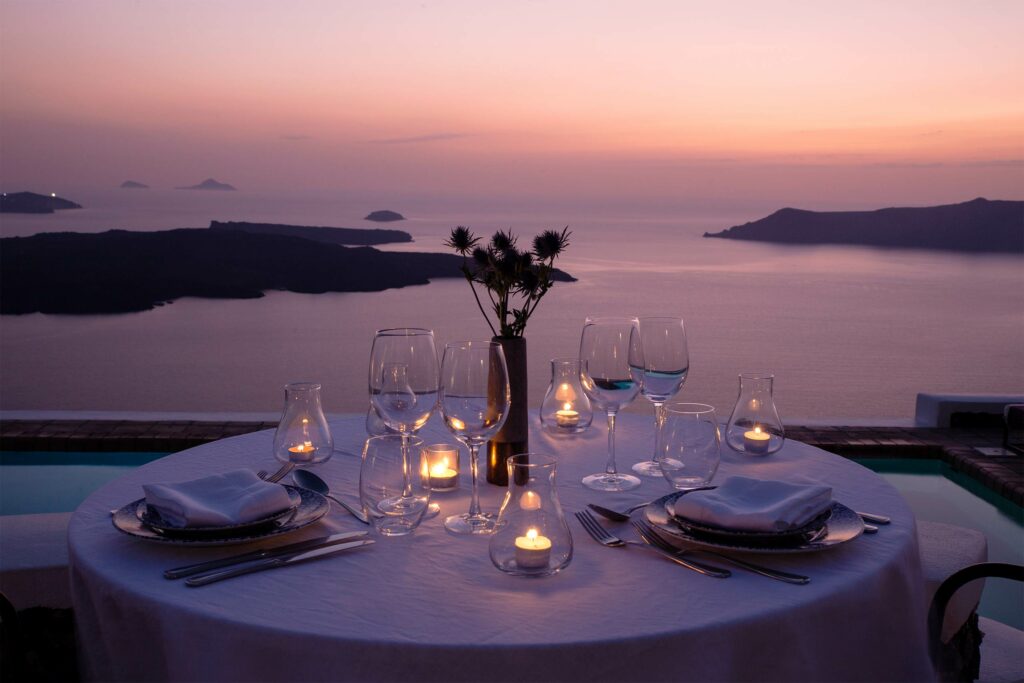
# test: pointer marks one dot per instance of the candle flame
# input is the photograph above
(757, 430)
(532, 534)
(566, 406)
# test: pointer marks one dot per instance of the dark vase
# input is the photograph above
(513, 438)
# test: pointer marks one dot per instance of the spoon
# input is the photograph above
(308, 480)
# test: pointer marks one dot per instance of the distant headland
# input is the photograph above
(133, 185)
(977, 226)
(120, 271)
(30, 202)
(209, 184)
(384, 216)
(351, 236)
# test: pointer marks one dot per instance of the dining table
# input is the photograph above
(431, 606)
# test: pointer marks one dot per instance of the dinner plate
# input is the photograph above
(842, 525)
(150, 516)
(312, 506)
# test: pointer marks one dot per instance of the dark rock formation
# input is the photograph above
(331, 235)
(30, 202)
(209, 184)
(120, 271)
(384, 216)
(132, 185)
(978, 226)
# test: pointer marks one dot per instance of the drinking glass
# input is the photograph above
(474, 403)
(690, 445)
(666, 364)
(611, 370)
(393, 490)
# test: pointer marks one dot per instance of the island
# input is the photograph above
(350, 236)
(384, 216)
(31, 202)
(121, 271)
(132, 185)
(977, 226)
(209, 184)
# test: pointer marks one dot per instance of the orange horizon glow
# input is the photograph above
(485, 96)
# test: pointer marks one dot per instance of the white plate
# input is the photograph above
(843, 525)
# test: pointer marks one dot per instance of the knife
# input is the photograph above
(192, 569)
(275, 562)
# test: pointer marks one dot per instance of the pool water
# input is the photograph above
(38, 481)
(937, 493)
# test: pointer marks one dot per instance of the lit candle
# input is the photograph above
(441, 461)
(567, 417)
(756, 441)
(302, 452)
(533, 551)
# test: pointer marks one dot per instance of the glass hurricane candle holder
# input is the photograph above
(302, 436)
(531, 536)
(566, 408)
(441, 462)
(754, 427)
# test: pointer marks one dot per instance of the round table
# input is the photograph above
(431, 606)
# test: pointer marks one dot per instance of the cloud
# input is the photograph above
(432, 137)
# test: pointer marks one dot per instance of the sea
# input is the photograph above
(849, 332)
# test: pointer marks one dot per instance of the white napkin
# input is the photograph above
(745, 504)
(234, 497)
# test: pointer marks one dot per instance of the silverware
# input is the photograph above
(648, 535)
(277, 476)
(876, 519)
(311, 544)
(617, 516)
(308, 480)
(274, 563)
(870, 528)
(602, 536)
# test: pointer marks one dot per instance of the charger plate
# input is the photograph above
(311, 507)
(841, 526)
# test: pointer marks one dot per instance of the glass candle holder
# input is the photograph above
(302, 436)
(531, 536)
(566, 408)
(754, 427)
(441, 462)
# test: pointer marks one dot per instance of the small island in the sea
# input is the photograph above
(31, 202)
(384, 216)
(977, 226)
(120, 271)
(133, 185)
(209, 184)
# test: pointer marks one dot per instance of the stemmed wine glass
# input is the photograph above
(666, 364)
(611, 371)
(404, 381)
(474, 403)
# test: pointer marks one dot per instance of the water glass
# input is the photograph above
(690, 445)
(394, 490)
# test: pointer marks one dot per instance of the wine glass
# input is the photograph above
(404, 381)
(666, 364)
(690, 445)
(474, 404)
(611, 371)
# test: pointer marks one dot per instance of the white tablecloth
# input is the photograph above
(431, 606)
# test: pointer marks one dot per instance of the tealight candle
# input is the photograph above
(567, 417)
(756, 441)
(442, 463)
(533, 551)
(302, 452)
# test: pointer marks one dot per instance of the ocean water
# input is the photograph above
(848, 331)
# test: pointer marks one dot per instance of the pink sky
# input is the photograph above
(861, 102)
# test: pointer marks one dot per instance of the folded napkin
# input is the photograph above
(225, 499)
(745, 504)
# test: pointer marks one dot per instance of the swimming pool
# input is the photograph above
(33, 482)
(937, 493)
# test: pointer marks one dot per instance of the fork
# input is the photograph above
(602, 536)
(277, 476)
(649, 536)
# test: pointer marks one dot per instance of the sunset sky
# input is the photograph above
(861, 102)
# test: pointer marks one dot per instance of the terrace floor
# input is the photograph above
(975, 451)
